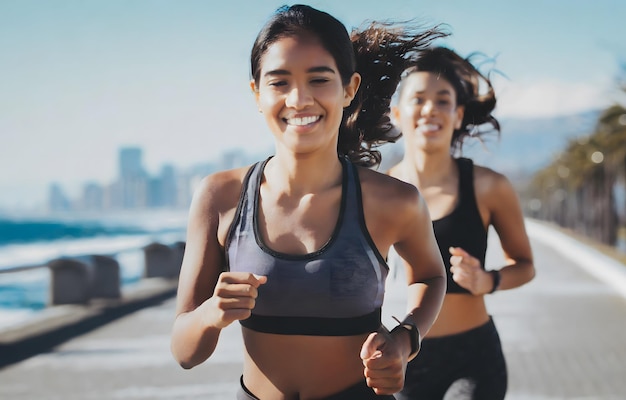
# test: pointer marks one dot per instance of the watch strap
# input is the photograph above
(414, 335)
(495, 274)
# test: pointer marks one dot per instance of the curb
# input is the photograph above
(603, 267)
(58, 324)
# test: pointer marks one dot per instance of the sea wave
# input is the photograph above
(31, 241)
(24, 291)
(20, 230)
(17, 255)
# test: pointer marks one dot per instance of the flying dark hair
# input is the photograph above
(473, 91)
(379, 52)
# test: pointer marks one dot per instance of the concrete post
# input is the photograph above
(69, 282)
(105, 281)
(159, 261)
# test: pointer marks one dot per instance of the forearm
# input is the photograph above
(516, 274)
(192, 341)
(424, 302)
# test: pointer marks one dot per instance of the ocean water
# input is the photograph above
(26, 242)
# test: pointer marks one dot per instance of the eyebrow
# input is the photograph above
(280, 72)
(442, 91)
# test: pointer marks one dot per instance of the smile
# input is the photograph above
(428, 127)
(302, 121)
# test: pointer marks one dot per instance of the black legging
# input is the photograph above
(469, 365)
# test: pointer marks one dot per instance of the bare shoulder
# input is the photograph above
(388, 189)
(389, 203)
(491, 187)
(395, 214)
(220, 190)
(213, 206)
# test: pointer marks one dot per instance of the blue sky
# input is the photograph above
(79, 79)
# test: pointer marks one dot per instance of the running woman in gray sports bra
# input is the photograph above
(294, 247)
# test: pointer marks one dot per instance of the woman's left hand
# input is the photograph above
(468, 273)
(384, 364)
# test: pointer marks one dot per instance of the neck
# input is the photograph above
(423, 170)
(298, 174)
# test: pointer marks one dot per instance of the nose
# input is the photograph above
(427, 108)
(298, 98)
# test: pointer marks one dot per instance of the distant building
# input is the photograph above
(133, 179)
(93, 197)
(130, 162)
(57, 199)
(134, 188)
(167, 188)
(113, 197)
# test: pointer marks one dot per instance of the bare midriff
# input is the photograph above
(459, 313)
(303, 367)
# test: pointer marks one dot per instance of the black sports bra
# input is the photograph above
(463, 227)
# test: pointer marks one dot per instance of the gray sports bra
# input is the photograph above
(335, 291)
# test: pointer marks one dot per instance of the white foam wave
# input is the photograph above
(42, 252)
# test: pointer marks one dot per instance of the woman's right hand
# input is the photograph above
(233, 298)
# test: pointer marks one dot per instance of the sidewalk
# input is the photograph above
(563, 336)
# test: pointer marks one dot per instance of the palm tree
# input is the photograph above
(577, 189)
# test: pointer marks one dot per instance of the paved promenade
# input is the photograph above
(564, 336)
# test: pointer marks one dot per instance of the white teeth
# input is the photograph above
(428, 127)
(302, 121)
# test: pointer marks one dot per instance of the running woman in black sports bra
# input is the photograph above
(295, 247)
(440, 101)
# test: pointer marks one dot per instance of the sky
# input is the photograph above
(81, 78)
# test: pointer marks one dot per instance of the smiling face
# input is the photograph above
(301, 94)
(427, 113)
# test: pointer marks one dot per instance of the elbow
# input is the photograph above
(530, 270)
(188, 358)
(186, 365)
(186, 362)
(189, 351)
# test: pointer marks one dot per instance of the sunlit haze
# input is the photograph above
(79, 80)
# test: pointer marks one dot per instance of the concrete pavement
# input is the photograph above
(563, 336)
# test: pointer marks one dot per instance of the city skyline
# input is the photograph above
(136, 188)
(81, 79)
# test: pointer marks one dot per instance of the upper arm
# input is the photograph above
(507, 218)
(204, 258)
(396, 215)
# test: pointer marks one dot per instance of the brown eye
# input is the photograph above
(320, 81)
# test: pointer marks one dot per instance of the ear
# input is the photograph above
(395, 114)
(255, 91)
(460, 112)
(349, 91)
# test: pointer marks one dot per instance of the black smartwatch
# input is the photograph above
(414, 336)
(495, 274)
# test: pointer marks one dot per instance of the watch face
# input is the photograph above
(410, 327)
